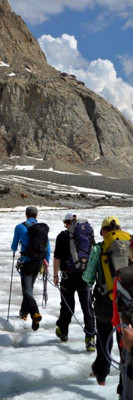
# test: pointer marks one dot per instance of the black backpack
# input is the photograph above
(38, 238)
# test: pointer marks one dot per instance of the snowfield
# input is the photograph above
(35, 365)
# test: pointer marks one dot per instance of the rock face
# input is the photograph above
(17, 46)
(44, 113)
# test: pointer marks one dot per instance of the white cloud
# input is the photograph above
(38, 11)
(99, 23)
(98, 75)
(127, 63)
(62, 52)
(115, 5)
(129, 23)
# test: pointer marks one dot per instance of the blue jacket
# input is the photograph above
(21, 237)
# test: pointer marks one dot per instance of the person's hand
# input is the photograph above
(44, 266)
(131, 241)
(131, 248)
(56, 280)
(128, 338)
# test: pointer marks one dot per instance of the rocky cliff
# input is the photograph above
(44, 113)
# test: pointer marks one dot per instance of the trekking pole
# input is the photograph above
(9, 302)
(45, 294)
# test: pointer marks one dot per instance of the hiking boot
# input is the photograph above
(90, 343)
(119, 388)
(100, 379)
(36, 318)
(23, 316)
(62, 336)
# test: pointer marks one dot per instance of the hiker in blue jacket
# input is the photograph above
(28, 267)
(71, 282)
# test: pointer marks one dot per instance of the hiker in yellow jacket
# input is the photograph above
(99, 272)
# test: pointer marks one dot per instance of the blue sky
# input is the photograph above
(89, 38)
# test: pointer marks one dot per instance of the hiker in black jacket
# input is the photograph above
(28, 267)
(71, 282)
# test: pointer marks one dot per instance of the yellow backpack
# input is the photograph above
(114, 256)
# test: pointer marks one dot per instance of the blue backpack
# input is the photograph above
(81, 236)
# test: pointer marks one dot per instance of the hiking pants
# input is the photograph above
(29, 305)
(69, 286)
(102, 364)
(126, 368)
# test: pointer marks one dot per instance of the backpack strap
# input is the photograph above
(28, 225)
(23, 253)
(73, 249)
(107, 272)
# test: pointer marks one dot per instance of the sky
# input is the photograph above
(91, 39)
(36, 365)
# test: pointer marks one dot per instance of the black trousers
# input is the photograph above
(102, 364)
(29, 305)
(69, 286)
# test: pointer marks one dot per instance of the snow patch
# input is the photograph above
(2, 64)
